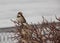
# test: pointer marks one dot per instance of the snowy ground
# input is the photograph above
(6, 37)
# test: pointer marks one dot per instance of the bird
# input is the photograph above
(20, 18)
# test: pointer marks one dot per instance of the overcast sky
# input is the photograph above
(30, 8)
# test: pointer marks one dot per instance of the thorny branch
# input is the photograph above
(39, 33)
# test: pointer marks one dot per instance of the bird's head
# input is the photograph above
(19, 14)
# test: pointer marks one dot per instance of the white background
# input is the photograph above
(32, 10)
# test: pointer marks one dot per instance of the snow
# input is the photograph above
(6, 37)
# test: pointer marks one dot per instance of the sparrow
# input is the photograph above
(20, 18)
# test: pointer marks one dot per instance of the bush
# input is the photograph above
(45, 32)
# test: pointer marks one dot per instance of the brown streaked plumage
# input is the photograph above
(20, 18)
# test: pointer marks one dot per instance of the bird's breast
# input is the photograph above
(21, 20)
